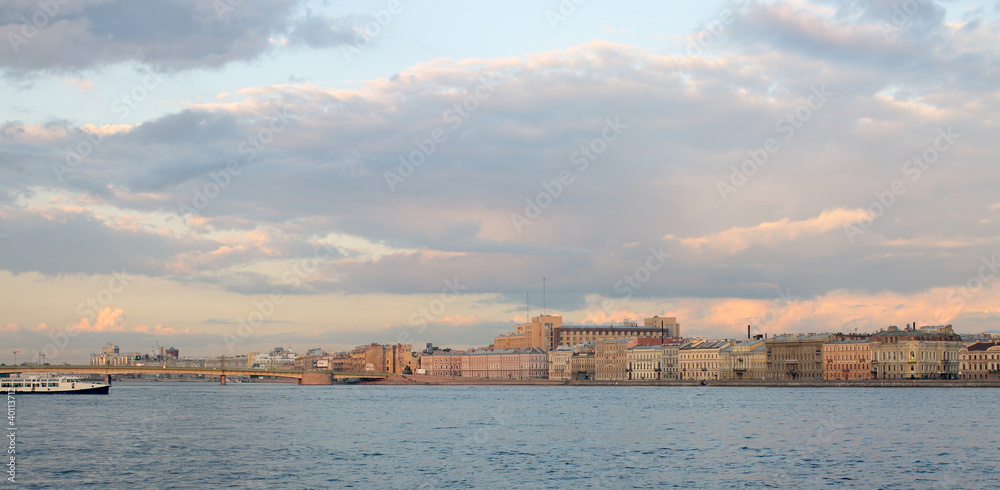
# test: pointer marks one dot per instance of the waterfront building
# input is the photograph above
(847, 359)
(796, 356)
(669, 354)
(743, 360)
(726, 362)
(700, 360)
(582, 366)
(441, 363)
(560, 363)
(925, 353)
(980, 360)
(519, 364)
(611, 359)
(572, 363)
(645, 362)
(548, 332)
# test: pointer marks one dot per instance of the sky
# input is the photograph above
(227, 176)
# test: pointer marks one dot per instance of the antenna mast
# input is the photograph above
(543, 295)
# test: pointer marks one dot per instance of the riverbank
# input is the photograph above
(416, 379)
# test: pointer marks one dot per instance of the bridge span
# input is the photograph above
(310, 377)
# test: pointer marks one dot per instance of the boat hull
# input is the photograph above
(97, 390)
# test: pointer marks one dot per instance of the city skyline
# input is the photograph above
(228, 177)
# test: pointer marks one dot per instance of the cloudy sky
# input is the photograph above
(226, 176)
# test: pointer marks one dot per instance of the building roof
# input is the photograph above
(981, 346)
(709, 344)
(800, 337)
(647, 347)
(611, 329)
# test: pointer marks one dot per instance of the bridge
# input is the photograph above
(304, 377)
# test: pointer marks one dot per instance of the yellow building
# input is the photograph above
(700, 360)
(743, 360)
(536, 334)
(645, 362)
(927, 353)
(560, 363)
(667, 323)
(547, 332)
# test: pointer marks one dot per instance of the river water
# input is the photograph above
(185, 435)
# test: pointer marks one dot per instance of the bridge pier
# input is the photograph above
(316, 378)
(222, 380)
(107, 379)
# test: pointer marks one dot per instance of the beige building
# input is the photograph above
(645, 362)
(536, 334)
(700, 360)
(560, 363)
(547, 332)
(658, 328)
(743, 360)
(797, 356)
(980, 360)
(668, 324)
(611, 360)
(488, 364)
(572, 363)
(927, 353)
(847, 359)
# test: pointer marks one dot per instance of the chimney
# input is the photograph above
(748, 332)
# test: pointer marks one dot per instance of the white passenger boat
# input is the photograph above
(70, 385)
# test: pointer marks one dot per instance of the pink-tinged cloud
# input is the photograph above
(10, 327)
(738, 239)
(108, 320)
(460, 320)
(113, 320)
(158, 330)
